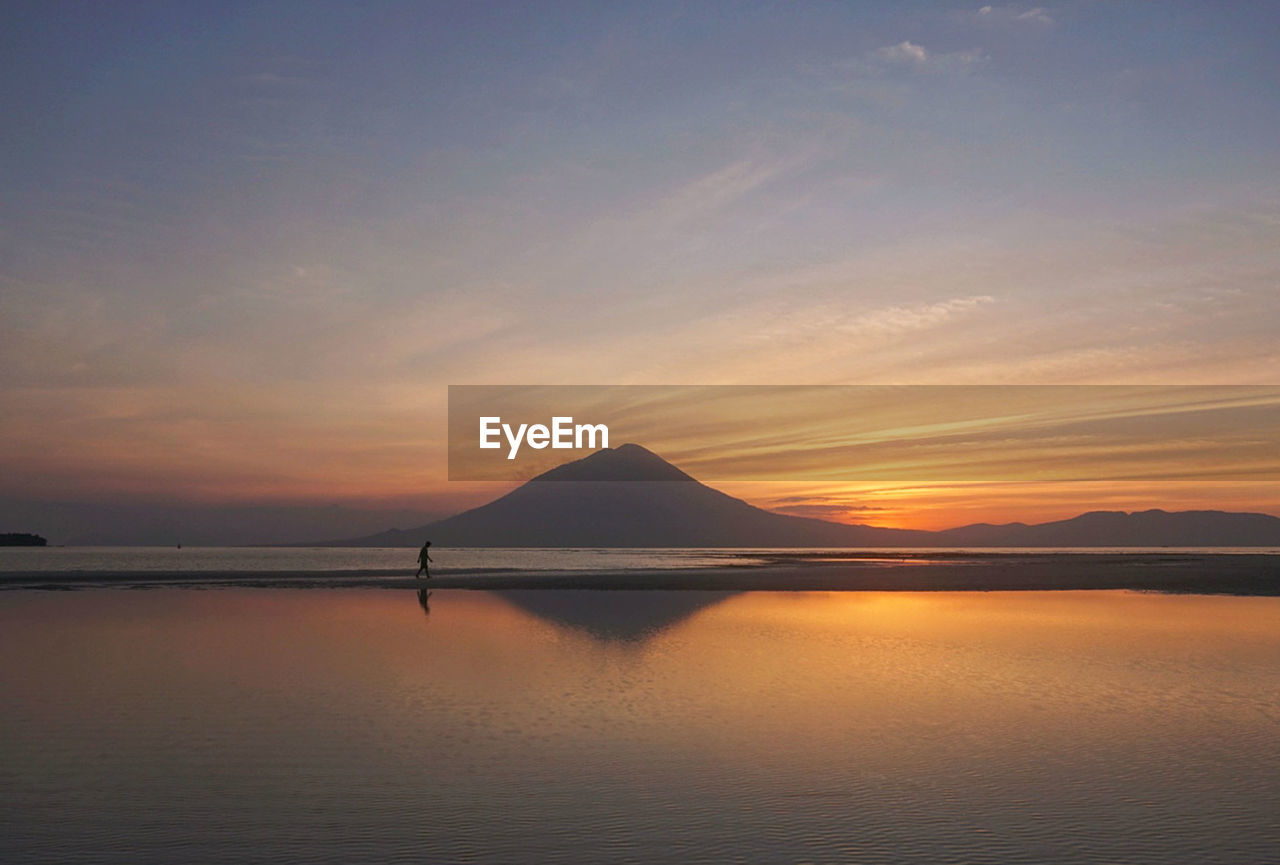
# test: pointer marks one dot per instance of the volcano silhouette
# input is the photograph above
(630, 497)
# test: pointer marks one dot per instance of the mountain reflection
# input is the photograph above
(620, 615)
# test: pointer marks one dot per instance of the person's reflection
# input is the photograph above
(424, 601)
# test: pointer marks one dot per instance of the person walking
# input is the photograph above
(424, 560)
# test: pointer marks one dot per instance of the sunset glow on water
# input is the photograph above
(624, 727)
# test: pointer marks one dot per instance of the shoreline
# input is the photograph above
(1234, 573)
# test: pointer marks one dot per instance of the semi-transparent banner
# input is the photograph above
(876, 432)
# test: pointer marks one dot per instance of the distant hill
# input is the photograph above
(630, 497)
(21, 539)
(1153, 528)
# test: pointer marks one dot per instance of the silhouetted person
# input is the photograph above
(424, 560)
(424, 601)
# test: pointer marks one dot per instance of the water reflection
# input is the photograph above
(424, 601)
(623, 616)
(310, 725)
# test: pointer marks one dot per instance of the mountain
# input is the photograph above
(630, 497)
(1153, 528)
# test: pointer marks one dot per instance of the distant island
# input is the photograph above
(22, 539)
(630, 497)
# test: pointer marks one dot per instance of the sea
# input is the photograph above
(386, 561)
(218, 724)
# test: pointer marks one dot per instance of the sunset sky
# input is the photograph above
(245, 248)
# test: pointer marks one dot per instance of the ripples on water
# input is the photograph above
(594, 727)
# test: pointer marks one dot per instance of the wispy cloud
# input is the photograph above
(908, 54)
(833, 322)
(721, 188)
(903, 52)
(900, 320)
(813, 503)
(1036, 16)
(832, 513)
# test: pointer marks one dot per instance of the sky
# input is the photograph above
(245, 248)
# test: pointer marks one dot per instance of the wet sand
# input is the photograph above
(1235, 573)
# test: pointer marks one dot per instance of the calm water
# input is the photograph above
(356, 726)
(71, 560)
(266, 559)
